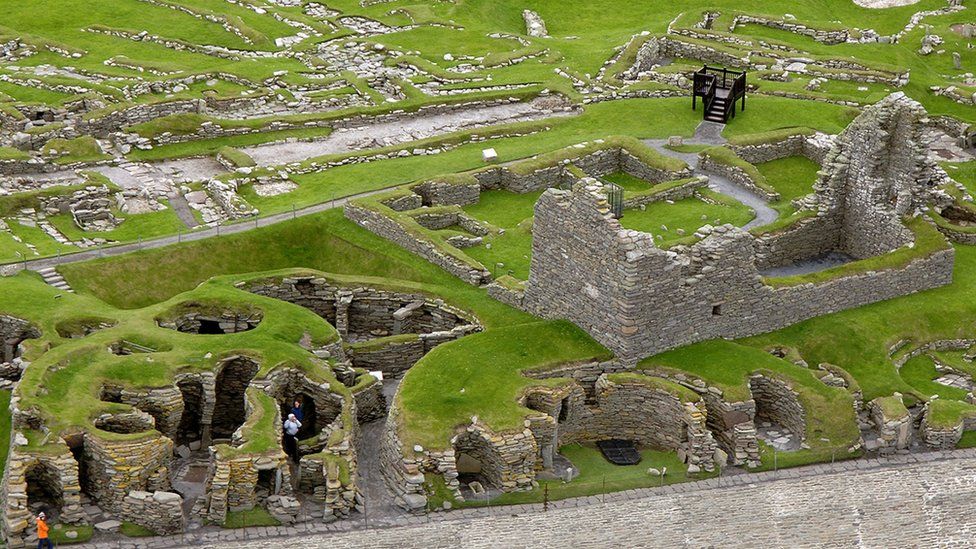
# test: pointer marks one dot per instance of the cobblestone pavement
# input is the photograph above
(922, 506)
(915, 500)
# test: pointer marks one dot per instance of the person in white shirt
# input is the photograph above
(291, 428)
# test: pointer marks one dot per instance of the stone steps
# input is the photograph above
(53, 278)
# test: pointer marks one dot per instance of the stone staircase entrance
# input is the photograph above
(53, 278)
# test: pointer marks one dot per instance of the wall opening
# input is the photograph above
(564, 410)
(190, 428)
(311, 423)
(44, 491)
(209, 327)
(469, 469)
(265, 485)
(77, 446)
(232, 381)
(717, 309)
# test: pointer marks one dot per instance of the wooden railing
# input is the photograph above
(707, 80)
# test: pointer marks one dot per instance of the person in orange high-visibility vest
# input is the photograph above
(42, 528)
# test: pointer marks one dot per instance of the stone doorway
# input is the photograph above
(190, 428)
(310, 421)
(44, 491)
(232, 382)
(265, 486)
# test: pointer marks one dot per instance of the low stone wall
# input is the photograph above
(735, 174)
(669, 46)
(160, 512)
(811, 147)
(895, 432)
(111, 122)
(676, 193)
(829, 37)
(632, 410)
(944, 438)
(440, 193)
(779, 403)
(389, 229)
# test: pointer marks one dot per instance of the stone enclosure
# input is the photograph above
(876, 176)
(133, 460)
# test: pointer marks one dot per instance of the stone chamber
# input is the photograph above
(205, 443)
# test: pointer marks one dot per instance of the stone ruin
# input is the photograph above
(534, 25)
(663, 410)
(375, 321)
(90, 208)
(640, 300)
(203, 419)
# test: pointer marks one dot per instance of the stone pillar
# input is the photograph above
(343, 300)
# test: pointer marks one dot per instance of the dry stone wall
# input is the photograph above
(605, 160)
(632, 409)
(777, 402)
(160, 512)
(640, 300)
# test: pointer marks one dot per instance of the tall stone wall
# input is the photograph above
(877, 171)
(639, 300)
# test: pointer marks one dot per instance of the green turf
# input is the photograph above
(673, 222)
(258, 516)
(792, 177)
(599, 476)
(133, 530)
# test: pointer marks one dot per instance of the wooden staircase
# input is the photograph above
(716, 111)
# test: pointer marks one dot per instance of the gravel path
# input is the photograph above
(200, 234)
(382, 134)
(710, 133)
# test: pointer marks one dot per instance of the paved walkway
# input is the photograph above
(915, 500)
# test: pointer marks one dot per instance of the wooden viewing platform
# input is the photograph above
(719, 90)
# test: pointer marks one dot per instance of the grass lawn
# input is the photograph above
(133, 530)
(792, 177)
(258, 516)
(58, 534)
(628, 182)
(672, 222)
(508, 253)
(597, 476)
